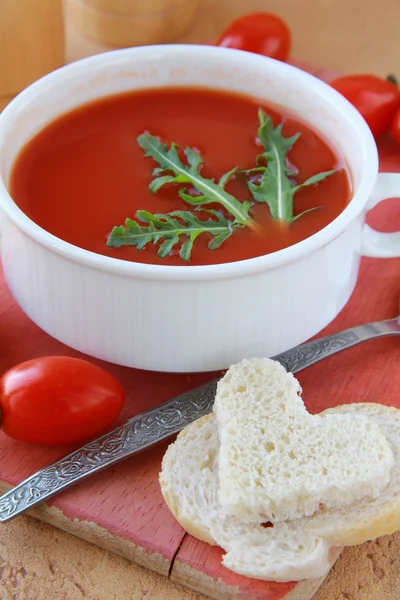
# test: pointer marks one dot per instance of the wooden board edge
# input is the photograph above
(197, 581)
(99, 536)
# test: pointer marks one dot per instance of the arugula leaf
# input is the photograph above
(277, 185)
(169, 228)
(209, 191)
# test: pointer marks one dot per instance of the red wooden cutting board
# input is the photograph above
(122, 508)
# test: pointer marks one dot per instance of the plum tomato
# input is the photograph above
(58, 400)
(395, 126)
(260, 33)
(376, 99)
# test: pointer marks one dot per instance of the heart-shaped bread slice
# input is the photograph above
(285, 551)
(278, 462)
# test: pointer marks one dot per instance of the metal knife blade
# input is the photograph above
(162, 421)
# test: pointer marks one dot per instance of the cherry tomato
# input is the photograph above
(58, 400)
(261, 33)
(376, 99)
(395, 126)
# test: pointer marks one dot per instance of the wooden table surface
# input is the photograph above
(38, 562)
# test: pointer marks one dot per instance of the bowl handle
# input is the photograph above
(375, 243)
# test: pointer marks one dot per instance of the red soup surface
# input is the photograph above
(85, 173)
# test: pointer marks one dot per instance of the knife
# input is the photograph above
(162, 421)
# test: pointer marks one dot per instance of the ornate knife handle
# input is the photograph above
(160, 422)
(309, 353)
(140, 432)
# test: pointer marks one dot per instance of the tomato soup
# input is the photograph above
(85, 172)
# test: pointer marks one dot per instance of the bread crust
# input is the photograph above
(171, 499)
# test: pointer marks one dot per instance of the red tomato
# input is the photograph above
(58, 400)
(375, 98)
(261, 33)
(395, 126)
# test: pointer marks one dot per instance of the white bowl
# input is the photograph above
(196, 318)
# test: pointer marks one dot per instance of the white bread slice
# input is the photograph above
(288, 551)
(188, 482)
(279, 462)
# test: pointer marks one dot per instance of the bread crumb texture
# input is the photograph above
(279, 462)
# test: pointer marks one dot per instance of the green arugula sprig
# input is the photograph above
(170, 227)
(277, 185)
(276, 188)
(210, 192)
